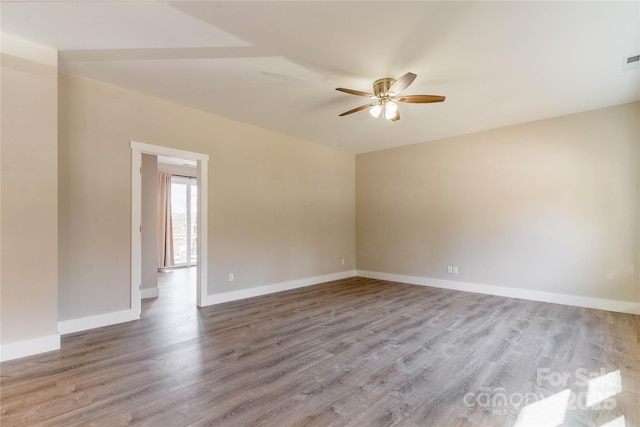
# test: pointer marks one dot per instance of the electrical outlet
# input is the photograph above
(342, 261)
(231, 277)
(455, 269)
(450, 269)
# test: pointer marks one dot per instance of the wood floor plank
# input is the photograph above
(354, 352)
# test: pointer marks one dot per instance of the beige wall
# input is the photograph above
(29, 211)
(279, 208)
(149, 218)
(549, 206)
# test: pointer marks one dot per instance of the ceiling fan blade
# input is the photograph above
(355, 92)
(420, 99)
(396, 117)
(355, 110)
(402, 83)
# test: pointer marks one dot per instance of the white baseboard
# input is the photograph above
(146, 293)
(527, 294)
(30, 347)
(97, 321)
(276, 287)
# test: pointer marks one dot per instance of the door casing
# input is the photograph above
(137, 149)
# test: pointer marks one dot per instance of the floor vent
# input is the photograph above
(630, 62)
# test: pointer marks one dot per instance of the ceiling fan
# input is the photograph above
(386, 92)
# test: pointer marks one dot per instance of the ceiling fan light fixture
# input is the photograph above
(390, 110)
(376, 110)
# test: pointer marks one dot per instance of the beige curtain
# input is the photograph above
(165, 229)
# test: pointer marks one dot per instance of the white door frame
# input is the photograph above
(137, 149)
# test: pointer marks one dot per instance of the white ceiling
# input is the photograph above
(174, 161)
(276, 64)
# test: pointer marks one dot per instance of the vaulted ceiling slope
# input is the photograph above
(276, 64)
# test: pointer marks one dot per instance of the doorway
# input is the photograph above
(199, 239)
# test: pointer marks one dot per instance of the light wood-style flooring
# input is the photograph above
(354, 352)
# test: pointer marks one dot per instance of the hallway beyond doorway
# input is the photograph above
(178, 285)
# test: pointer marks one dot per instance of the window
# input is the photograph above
(184, 214)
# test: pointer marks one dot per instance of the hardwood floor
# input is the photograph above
(354, 352)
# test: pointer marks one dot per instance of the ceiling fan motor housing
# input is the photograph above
(381, 86)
